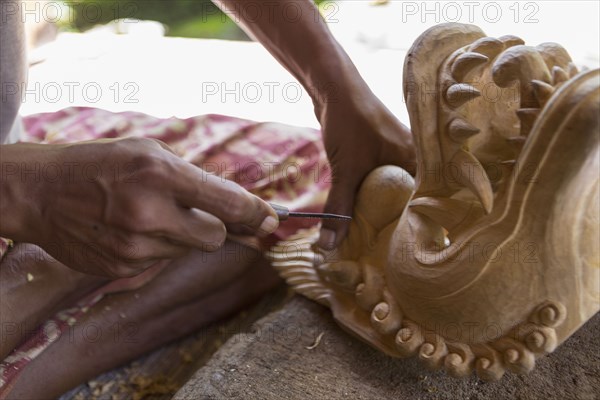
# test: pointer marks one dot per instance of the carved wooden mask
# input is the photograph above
(489, 258)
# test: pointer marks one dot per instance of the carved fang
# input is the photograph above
(572, 70)
(542, 91)
(527, 116)
(517, 142)
(465, 63)
(487, 46)
(459, 93)
(559, 75)
(449, 213)
(511, 40)
(554, 54)
(460, 130)
(521, 63)
(472, 175)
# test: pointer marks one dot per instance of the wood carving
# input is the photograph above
(489, 259)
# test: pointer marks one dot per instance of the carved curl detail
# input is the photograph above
(516, 351)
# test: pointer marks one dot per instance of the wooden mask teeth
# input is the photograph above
(448, 213)
(517, 142)
(559, 75)
(459, 93)
(542, 91)
(472, 175)
(460, 130)
(487, 46)
(522, 64)
(511, 40)
(465, 63)
(527, 116)
(554, 54)
(572, 70)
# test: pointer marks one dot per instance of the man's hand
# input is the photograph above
(117, 207)
(360, 134)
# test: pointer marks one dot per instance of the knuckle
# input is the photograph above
(162, 145)
(138, 141)
(148, 168)
(158, 142)
(129, 145)
(138, 217)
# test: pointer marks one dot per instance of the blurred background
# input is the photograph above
(184, 57)
(181, 18)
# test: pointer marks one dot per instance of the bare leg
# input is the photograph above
(189, 293)
(33, 286)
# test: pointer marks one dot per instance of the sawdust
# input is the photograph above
(140, 387)
(148, 387)
(344, 368)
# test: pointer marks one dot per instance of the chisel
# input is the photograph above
(284, 213)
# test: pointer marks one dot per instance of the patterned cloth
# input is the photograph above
(279, 163)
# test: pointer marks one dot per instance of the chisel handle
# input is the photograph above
(283, 213)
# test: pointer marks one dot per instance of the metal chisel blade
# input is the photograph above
(284, 213)
(318, 215)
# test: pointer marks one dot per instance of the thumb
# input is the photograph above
(340, 201)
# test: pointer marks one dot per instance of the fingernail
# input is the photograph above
(269, 225)
(327, 239)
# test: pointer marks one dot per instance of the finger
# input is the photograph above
(146, 248)
(340, 201)
(241, 230)
(251, 215)
(138, 280)
(227, 201)
(119, 245)
(110, 265)
(196, 228)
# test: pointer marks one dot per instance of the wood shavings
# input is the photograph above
(100, 389)
(151, 387)
(316, 343)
